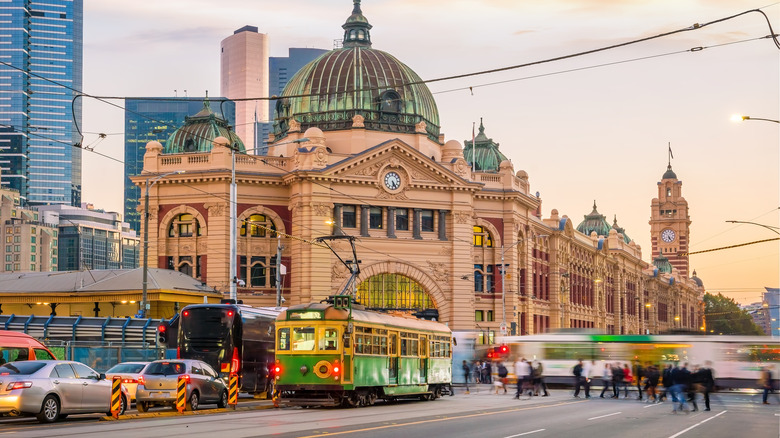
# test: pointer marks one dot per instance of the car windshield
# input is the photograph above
(130, 368)
(165, 368)
(24, 368)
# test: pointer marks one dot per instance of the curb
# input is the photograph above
(173, 413)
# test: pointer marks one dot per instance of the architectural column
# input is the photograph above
(337, 220)
(364, 220)
(416, 225)
(443, 225)
(391, 222)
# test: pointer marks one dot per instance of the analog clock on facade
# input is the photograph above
(667, 235)
(392, 180)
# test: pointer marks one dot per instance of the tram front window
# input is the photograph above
(303, 339)
(329, 339)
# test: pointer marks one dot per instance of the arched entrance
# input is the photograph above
(394, 292)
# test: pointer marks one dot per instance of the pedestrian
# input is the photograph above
(579, 379)
(538, 375)
(690, 386)
(627, 378)
(523, 373)
(678, 380)
(488, 372)
(606, 378)
(466, 375)
(707, 380)
(638, 374)
(651, 382)
(617, 380)
(502, 380)
(666, 380)
(588, 370)
(765, 383)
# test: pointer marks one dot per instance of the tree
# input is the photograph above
(724, 316)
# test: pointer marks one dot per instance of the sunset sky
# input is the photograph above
(593, 127)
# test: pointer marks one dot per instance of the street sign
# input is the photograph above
(502, 328)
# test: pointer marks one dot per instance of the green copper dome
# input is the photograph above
(663, 265)
(595, 221)
(620, 230)
(485, 155)
(199, 131)
(356, 80)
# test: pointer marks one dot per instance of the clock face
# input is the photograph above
(667, 235)
(392, 180)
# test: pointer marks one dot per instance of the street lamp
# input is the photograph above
(149, 183)
(768, 227)
(740, 118)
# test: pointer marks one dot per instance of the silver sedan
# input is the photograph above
(158, 381)
(53, 389)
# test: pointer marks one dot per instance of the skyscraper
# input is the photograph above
(41, 74)
(244, 63)
(156, 118)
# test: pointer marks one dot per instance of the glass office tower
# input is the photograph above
(39, 78)
(155, 118)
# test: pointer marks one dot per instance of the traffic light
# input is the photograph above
(162, 335)
(503, 350)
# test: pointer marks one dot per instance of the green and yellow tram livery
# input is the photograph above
(330, 355)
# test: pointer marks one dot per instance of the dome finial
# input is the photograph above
(356, 28)
(481, 126)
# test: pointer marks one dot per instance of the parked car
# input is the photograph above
(17, 346)
(157, 384)
(129, 373)
(53, 389)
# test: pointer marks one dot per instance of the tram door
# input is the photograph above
(346, 358)
(392, 357)
(423, 359)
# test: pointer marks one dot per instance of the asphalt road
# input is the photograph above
(478, 414)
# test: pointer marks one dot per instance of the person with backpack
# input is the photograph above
(579, 378)
(539, 384)
(617, 380)
(502, 380)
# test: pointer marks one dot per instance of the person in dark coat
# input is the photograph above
(706, 379)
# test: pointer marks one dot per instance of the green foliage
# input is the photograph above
(723, 315)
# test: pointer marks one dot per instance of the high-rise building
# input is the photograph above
(41, 74)
(771, 305)
(156, 118)
(30, 241)
(244, 74)
(91, 239)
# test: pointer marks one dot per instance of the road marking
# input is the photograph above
(652, 405)
(526, 433)
(602, 416)
(435, 420)
(697, 424)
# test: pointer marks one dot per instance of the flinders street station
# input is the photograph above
(445, 228)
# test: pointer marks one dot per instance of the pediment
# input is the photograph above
(416, 169)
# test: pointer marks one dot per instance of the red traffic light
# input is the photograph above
(504, 349)
(162, 327)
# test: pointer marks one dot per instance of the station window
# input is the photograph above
(375, 218)
(426, 220)
(348, 216)
(402, 219)
(479, 315)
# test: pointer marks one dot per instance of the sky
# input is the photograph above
(589, 128)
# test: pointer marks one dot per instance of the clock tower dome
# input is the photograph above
(670, 222)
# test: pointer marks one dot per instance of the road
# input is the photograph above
(481, 414)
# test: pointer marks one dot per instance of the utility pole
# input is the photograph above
(279, 249)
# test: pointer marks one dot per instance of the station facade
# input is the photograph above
(356, 149)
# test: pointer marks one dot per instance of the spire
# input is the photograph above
(356, 28)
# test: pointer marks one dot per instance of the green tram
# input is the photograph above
(343, 355)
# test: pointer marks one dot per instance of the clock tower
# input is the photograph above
(670, 222)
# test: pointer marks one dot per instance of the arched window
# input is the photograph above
(390, 102)
(482, 237)
(184, 225)
(393, 291)
(258, 225)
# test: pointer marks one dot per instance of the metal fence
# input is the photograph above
(103, 355)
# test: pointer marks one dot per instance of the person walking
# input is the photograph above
(523, 373)
(466, 375)
(488, 373)
(666, 380)
(765, 383)
(606, 378)
(651, 383)
(707, 380)
(539, 383)
(579, 379)
(502, 377)
(617, 380)
(627, 379)
(639, 374)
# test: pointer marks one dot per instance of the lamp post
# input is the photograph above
(149, 183)
(740, 118)
(768, 227)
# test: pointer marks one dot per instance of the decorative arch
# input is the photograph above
(270, 214)
(497, 239)
(162, 225)
(428, 282)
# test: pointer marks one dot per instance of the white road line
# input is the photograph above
(602, 416)
(652, 405)
(697, 424)
(526, 433)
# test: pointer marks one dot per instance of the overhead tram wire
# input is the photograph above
(695, 26)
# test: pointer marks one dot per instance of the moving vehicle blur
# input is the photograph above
(157, 384)
(16, 346)
(51, 390)
(129, 373)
